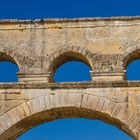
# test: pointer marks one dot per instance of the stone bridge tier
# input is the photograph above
(39, 47)
(25, 105)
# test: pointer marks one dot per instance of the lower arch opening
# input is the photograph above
(59, 120)
(75, 129)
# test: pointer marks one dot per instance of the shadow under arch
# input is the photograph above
(67, 54)
(52, 107)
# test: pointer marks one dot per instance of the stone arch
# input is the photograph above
(20, 57)
(54, 106)
(11, 56)
(132, 53)
(66, 54)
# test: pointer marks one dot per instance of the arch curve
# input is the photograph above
(6, 57)
(50, 107)
(71, 53)
(13, 57)
(23, 61)
(132, 53)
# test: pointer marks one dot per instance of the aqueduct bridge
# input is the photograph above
(39, 47)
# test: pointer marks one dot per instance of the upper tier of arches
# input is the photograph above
(98, 63)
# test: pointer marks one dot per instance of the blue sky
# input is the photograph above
(31, 9)
(70, 129)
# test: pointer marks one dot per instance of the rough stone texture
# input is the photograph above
(39, 47)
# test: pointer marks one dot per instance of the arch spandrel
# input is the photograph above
(56, 106)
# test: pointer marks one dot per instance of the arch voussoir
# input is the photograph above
(135, 125)
(116, 110)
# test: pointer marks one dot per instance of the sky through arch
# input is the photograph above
(78, 72)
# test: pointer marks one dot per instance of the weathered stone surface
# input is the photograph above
(39, 47)
(48, 103)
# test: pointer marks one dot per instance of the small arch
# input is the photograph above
(11, 68)
(130, 57)
(67, 54)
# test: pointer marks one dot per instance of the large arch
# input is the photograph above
(66, 54)
(54, 106)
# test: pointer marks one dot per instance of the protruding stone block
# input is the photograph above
(33, 78)
(108, 76)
